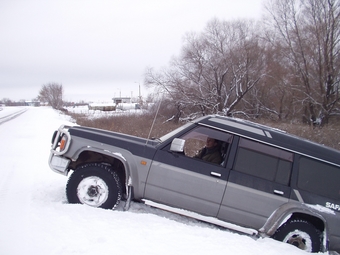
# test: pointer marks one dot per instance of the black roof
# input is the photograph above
(272, 136)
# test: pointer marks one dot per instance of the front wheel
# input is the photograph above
(95, 185)
(301, 234)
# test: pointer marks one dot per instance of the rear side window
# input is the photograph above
(319, 178)
(264, 161)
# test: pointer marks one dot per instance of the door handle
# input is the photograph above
(215, 174)
(279, 192)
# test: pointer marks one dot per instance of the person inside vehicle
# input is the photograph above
(211, 152)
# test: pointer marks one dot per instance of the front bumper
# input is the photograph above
(56, 161)
(59, 164)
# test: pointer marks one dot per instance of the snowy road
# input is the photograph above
(9, 113)
(35, 218)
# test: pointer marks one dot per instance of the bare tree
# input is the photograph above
(308, 35)
(52, 93)
(247, 65)
(216, 69)
(6, 101)
(274, 96)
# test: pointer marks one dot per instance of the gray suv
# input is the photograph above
(256, 180)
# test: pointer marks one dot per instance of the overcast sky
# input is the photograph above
(98, 49)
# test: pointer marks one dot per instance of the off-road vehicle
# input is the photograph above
(267, 184)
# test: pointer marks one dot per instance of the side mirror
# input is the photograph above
(177, 145)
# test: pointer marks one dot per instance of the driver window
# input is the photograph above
(207, 144)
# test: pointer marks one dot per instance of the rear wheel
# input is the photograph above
(95, 185)
(301, 234)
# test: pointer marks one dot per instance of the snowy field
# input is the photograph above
(93, 114)
(36, 219)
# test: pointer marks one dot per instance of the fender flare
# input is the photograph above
(125, 159)
(282, 214)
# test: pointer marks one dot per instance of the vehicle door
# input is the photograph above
(180, 180)
(258, 183)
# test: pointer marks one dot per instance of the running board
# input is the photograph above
(200, 217)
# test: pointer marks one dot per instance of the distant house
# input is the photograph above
(128, 106)
(120, 100)
(125, 103)
(32, 103)
(119, 103)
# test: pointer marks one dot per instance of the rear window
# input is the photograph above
(263, 161)
(319, 178)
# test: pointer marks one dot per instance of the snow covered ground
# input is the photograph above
(35, 218)
(93, 114)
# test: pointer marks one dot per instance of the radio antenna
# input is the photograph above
(154, 120)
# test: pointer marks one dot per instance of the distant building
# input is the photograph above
(128, 106)
(119, 100)
(125, 103)
(32, 103)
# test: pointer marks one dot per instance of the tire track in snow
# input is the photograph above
(15, 182)
(12, 116)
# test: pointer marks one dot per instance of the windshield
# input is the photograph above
(172, 133)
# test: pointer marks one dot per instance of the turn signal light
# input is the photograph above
(63, 143)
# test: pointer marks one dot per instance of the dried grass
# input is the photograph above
(140, 124)
(132, 124)
(327, 135)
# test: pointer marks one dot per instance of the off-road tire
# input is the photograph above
(94, 184)
(299, 232)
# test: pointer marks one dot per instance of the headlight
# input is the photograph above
(54, 136)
